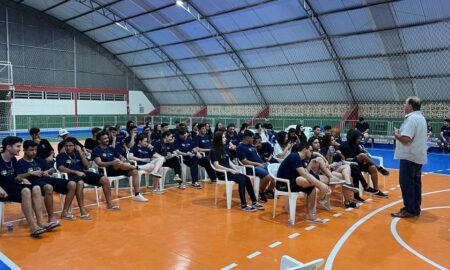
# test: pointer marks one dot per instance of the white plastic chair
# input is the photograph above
(289, 263)
(2, 214)
(228, 186)
(112, 179)
(64, 176)
(292, 196)
(256, 180)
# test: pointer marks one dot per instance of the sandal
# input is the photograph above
(37, 233)
(316, 220)
(86, 216)
(113, 208)
(70, 217)
(52, 226)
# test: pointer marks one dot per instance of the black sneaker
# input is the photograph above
(350, 204)
(262, 197)
(269, 195)
(213, 181)
(383, 171)
(371, 190)
(248, 208)
(196, 185)
(358, 198)
(380, 194)
(257, 206)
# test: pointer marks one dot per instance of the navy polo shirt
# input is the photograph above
(107, 154)
(248, 151)
(141, 152)
(70, 161)
(203, 141)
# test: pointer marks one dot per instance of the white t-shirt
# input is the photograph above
(264, 137)
(415, 127)
(278, 150)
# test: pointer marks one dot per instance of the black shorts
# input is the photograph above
(59, 185)
(294, 187)
(91, 178)
(112, 172)
(14, 192)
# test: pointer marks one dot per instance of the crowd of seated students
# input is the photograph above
(314, 167)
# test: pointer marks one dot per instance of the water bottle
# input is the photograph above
(10, 226)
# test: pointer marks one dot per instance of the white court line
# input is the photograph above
(326, 220)
(8, 262)
(253, 255)
(409, 248)
(277, 243)
(386, 192)
(230, 266)
(349, 209)
(392, 188)
(337, 215)
(348, 233)
(369, 200)
(310, 228)
(293, 235)
(398, 185)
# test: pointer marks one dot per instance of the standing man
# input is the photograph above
(44, 149)
(411, 149)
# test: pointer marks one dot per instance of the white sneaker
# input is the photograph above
(325, 203)
(158, 192)
(177, 179)
(181, 186)
(140, 198)
(336, 181)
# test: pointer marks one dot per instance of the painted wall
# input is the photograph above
(87, 107)
(43, 107)
(139, 103)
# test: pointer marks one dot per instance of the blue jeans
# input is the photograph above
(411, 185)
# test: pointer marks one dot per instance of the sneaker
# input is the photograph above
(258, 206)
(181, 186)
(350, 204)
(370, 190)
(351, 187)
(248, 208)
(325, 202)
(358, 198)
(156, 174)
(140, 198)
(380, 194)
(196, 185)
(383, 171)
(177, 179)
(336, 181)
(213, 181)
(269, 195)
(262, 197)
(158, 191)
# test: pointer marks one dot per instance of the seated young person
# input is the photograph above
(294, 169)
(167, 148)
(248, 155)
(44, 148)
(38, 172)
(107, 157)
(146, 158)
(203, 145)
(14, 189)
(73, 162)
(130, 140)
(91, 143)
(219, 157)
(116, 142)
(190, 157)
(353, 152)
(64, 134)
(232, 139)
(265, 150)
(283, 145)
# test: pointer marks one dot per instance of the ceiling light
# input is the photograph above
(180, 3)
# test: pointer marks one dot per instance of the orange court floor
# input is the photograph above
(183, 229)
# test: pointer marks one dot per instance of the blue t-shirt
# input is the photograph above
(37, 164)
(203, 141)
(224, 159)
(127, 140)
(185, 145)
(164, 148)
(8, 170)
(446, 131)
(107, 154)
(120, 136)
(234, 139)
(248, 151)
(119, 144)
(155, 138)
(266, 150)
(70, 161)
(142, 152)
(288, 168)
